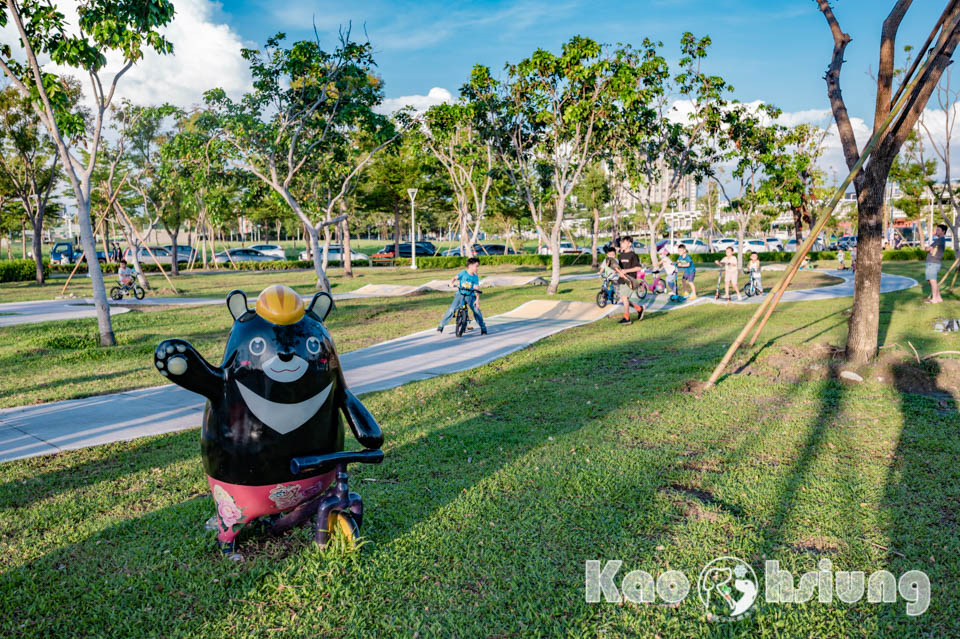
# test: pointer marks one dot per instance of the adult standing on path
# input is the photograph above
(935, 261)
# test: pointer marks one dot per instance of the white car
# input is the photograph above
(774, 244)
(271, 249)
(335, 254)
(754, 244)
(566, 248)
(692, 245)
(719, 246)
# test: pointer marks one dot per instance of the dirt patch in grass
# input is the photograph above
(937, 378)
(695, 387)
(691, 501)
(818, 545)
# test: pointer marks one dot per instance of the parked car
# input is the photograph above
(721, 244)
(184, 253)
(637, 247)
(496, 249)
(424, 249)
(752, 244)
(67, 253)
(242, 255)
(455, 251)
(271, 249)
(774, 244)
(162, 255)
(692, 245)
(566, 248)
(335, 254)
(791, 245)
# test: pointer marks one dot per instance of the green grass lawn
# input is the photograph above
(500, 482)
(61, 360)
(218, 284)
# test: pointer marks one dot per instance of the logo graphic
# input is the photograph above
(728, 588)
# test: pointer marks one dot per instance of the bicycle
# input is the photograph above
(462, 318)
(658, 286)
(752, 287)
(117, 293)
(607, 293)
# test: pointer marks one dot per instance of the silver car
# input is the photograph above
(242, 255)
(271, 249)
(335, 254)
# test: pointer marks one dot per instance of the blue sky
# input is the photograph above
(774, 51)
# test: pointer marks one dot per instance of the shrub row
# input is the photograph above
(21, 270)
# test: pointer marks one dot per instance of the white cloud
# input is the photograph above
(420, 103)
(206, 54)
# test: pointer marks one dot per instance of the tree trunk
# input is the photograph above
(396, 230)
(596, 232)
(38, 255)
(798, 225)
(323, 284)
(555, 252)
(865, 318)
(741, 235)
(326, 246)
(174, 257)
(104, 323)
(23, 239)
(346, 251)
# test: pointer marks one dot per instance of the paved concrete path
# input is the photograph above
(77, 308)
(34, 312)
(50, 428)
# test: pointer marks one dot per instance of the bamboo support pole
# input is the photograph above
(769, 303)
(140, 237)
(947, 274)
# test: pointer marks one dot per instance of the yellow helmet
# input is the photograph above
(280, 304)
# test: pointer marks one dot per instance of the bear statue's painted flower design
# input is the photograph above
(286, 496)
(227, 509)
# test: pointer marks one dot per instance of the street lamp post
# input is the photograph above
(413, 229)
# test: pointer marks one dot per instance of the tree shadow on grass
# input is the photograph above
(532, 405)
(922, 490)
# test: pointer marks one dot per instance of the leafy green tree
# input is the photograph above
(127, 26)
(750, 143)
(914, 174)
(558, 108)
(653, 150)
(449, 133)
(28, 161)
(304, 103)
(793, 176)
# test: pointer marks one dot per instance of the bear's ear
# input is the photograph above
(321, 305)
(237, 303)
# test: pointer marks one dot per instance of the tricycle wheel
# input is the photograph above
(602, 299)
(343, 525)
(115, 293)
(660, 288)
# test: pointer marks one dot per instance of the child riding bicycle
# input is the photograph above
(125, 274)
(468, 290)
(753, 266)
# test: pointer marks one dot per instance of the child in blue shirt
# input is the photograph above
(467, 282)
(688, 270)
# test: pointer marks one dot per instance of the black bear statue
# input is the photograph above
(272, 435)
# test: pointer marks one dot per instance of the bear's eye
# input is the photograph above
(313, 345)
(258, 345)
